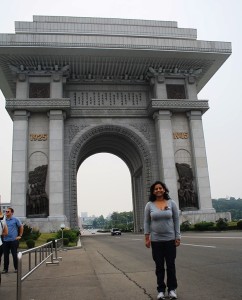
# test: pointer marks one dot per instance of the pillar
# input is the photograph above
(165, 150)
(19, 178)
(56, 165)
(200, 161)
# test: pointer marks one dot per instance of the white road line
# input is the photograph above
(132, 239)
(203, 246)
(211, 237)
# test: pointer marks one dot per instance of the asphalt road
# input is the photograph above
(209, 265)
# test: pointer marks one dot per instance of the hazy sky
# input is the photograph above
(108, 189)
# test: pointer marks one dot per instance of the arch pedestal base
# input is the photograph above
(197, 216)
(50, 224)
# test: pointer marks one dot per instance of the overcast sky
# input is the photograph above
(215, 20)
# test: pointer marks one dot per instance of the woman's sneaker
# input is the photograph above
(172, 294)
(161, 295)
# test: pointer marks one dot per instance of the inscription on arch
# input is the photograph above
(108, 98)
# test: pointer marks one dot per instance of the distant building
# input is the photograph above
(85, 221)
(84, 214)
(4, 206)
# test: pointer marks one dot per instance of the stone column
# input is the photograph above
(191, 88)
(159, 87)
(165, 150)
(56, 165)
(200, 161)
(19, 178)
(137, 193)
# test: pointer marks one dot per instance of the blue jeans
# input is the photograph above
(165, 252)
(13, 247)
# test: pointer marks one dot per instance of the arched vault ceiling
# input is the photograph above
(113, 144)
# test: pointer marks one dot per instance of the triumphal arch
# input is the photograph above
(79, 86)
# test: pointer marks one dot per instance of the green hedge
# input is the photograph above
(221, 224)
(51, 240)
(30, 243)
(66, 241)
(202, 226)
(68, 233)
(239, 224)
(30, 233)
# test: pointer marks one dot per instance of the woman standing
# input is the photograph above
(162, 233)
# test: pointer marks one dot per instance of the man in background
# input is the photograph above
(11, 240)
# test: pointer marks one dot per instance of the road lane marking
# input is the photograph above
(194, 245)
(211, 237)
(132, 239)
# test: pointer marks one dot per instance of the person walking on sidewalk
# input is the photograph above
(11, 240)
(3, 232)
(162, 234)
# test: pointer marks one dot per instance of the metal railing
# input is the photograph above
(36, 257)
(58, 245)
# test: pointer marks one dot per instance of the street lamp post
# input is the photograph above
(62, 226)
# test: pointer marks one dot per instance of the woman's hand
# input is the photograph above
(147, 241)
(177, 242)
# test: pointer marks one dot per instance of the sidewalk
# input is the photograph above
(74, 278)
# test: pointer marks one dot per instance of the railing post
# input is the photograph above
(50, 250)
(19, 276)
(56, 257)
(44, 254)
(30, 263)
(54, 260)
(56, 248)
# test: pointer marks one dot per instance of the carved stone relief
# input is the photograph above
(37, 201)
(144, 129)
(186, 193)
(74, 129)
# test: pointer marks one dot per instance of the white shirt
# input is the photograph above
(2, 225)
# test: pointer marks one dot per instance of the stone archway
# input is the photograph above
(85, 91)
(123, 143)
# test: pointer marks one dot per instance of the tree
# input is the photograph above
(98, 222)
(122, 220)
(229, 205)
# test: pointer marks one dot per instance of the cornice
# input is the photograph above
(64, 104)
(151, 44)
(177, 105)
(38, 105)
(99, 51)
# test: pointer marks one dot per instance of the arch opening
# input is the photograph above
(126, 145)
(103, 186)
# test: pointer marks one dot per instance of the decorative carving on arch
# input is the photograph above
(73, 130)
(86, 137)
(144, 129)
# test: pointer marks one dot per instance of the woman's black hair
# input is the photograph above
(152, 196)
